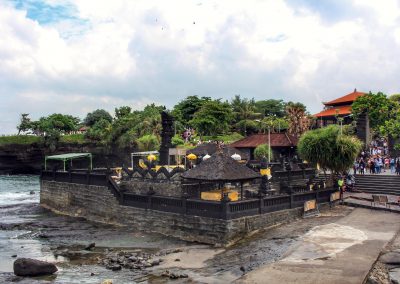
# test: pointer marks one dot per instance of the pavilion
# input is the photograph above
(340, 107)
(220, 169)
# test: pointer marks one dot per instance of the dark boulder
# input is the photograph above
(391, 258)
(90, 246)
(33, 267)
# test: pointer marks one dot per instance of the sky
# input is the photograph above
(75, 56)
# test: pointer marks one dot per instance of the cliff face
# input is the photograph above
(29, 159)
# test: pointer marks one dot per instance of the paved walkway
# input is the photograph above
(340, 252)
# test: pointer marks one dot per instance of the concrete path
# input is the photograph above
(340, 252)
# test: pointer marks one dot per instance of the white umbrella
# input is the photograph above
(206, 157)
(236, 157)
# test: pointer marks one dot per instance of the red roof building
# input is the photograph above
(281, 144)
(340, 107)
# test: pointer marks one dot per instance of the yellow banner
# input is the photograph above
(335, 196)
(265, 172)
(310, 205)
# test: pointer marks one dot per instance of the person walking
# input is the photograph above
(371, 166)
(392, 165)
(355, 167)
(341, 187)
(398, 167)
(361, 166)
(387, 161)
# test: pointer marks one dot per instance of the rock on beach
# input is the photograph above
(33, 267)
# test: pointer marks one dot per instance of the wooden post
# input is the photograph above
(241, 190)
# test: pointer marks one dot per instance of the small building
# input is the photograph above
(282, 144)
(340, 107)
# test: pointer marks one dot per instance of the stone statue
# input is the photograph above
(166, 135)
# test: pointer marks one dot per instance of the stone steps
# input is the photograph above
(378, 184)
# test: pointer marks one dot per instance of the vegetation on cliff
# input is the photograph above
(211, 120)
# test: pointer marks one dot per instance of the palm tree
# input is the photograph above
(299, 120)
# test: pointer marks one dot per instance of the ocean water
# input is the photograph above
(19, 206)
(19, 198)
(16, 190)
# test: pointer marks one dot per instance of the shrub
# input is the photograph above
(148, 143)
(262, 151)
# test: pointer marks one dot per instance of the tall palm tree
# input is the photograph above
(299, 120)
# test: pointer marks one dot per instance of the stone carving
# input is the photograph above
(166, 135)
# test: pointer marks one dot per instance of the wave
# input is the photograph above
(11, 198)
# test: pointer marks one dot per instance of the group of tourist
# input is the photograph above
(379, 146)
(376, 164)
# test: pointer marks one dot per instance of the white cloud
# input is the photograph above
(113, 53)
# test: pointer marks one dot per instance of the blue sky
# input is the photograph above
(74, 56)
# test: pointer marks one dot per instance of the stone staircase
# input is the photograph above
(378, 184)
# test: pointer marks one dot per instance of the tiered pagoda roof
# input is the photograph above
(340, 106)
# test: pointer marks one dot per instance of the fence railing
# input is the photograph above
(196, 207)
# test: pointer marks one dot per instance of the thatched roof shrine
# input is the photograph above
(221, 168)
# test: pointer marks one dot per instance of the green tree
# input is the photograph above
(97, 115)
(184, 111)
(213, 118)
(391, 125)
(99, 131)
(275, 124)
(378, 107)
(148, 143)
(244, 111)
(25, 123)
(271, 107)
(122, 112)
(247, 126)
(262, 151)
(330, 149)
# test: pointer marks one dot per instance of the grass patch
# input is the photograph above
(20, 139)
(73, 139)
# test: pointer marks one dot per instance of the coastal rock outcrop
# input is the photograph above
(33, 267)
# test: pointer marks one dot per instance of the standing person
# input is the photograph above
(355, 167)
(379, 164)
(392, 165)
(371, 166)
(341, 187)
(361, 166)
(398, 167)
(387, 163)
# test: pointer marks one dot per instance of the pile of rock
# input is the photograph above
(392, 262)
(129, 260)
(174, 275)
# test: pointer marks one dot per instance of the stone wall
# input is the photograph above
(96, 203)
(160, 187)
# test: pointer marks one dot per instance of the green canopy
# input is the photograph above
(68, 157)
